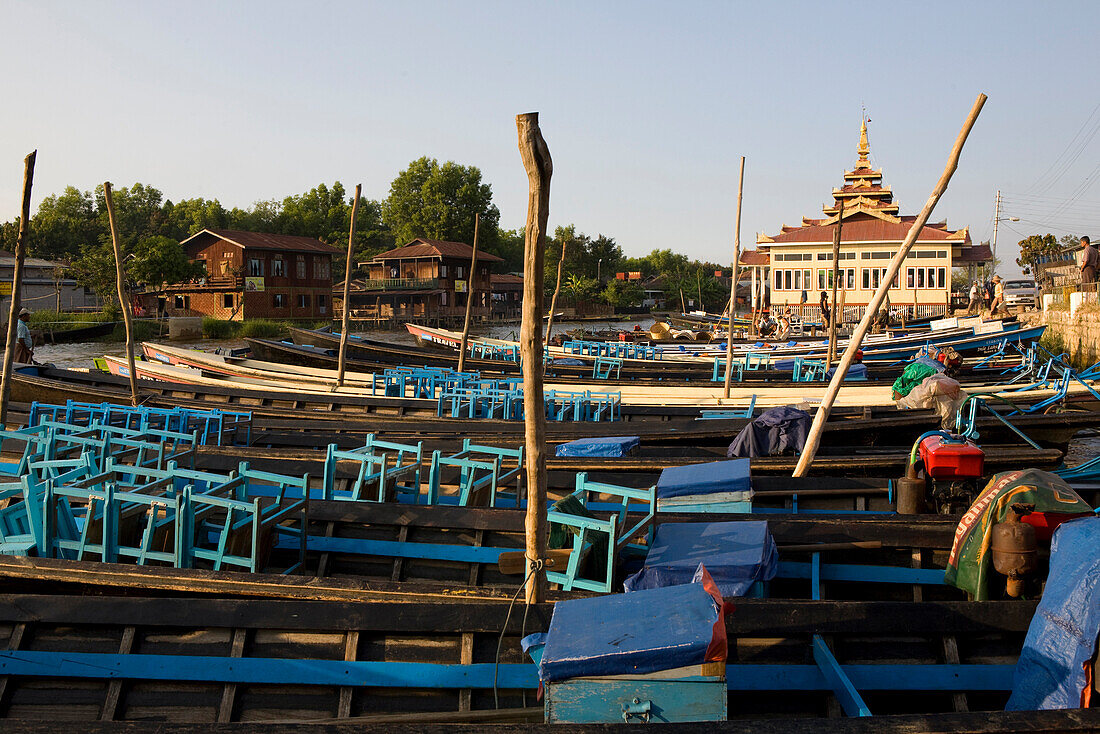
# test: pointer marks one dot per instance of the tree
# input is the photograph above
(1034, 248)
(95, 270)
(623, 293)
(579, 287)
(159, 260)
(510, 243)
(64, 223)
(439, 202)
(191, 216)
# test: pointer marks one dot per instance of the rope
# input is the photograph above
(535, 566)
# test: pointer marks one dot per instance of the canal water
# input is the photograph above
(1084, 447)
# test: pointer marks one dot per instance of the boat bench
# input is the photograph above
(483, 472)
(392, 468)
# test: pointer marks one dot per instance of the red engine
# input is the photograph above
(946, 458)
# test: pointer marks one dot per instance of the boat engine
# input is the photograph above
(953, 465)
(1015, 549)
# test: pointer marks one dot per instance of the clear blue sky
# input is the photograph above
(646, 106)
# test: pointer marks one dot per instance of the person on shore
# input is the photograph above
(1090, 263)
(988, 295)
(975, 299)
(998, 295)
(825, 309)
(24, 342)
(784, 323)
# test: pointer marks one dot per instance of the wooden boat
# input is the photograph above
(79, 334)
(176, 365)
(310, 413)
(282, 352)
(399, 665)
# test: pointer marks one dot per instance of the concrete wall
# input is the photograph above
(1076, 332)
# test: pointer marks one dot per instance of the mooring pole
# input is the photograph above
(345, 316)
(536, 160)
(123, 299)
(469, 298)
(17, 286)
(836, 271)
(733, 284)
(557, 288)
(822, 415)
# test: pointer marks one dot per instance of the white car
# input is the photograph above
(1022, 294)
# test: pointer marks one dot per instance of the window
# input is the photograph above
(301, 268)
(255, 266)
(227, 300)
(920, 277)
(875, 255)
(322, 268)
(942, 279)
(484, 270)
(321, 302)
(442, 270)
(788, 279)
(178, 302)
(910, 278)
(798, 280)
(278, 300)
(458, 271)
(277, 268)
(866, 279)
(303, 300)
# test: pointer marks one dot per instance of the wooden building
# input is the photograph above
(251, 275)
(426, 280)
(507, 296)
(47, 286)
(797, 261)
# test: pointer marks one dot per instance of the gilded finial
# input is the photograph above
(864, 148)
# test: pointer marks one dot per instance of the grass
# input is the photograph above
(61, 321)
(254, 328)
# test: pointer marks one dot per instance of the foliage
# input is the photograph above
(579, 287)
(254, 328)
(65, 320)
(159, 260)
(583, 256)
(439, 202)
(1035, 247)
(623, 293)
(95, 270)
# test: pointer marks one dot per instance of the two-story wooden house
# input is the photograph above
(798, 261)
(426, 280)
(252, 275)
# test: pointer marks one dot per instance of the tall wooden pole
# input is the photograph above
(836, 270)
(469, 298)
(812, 441)
(17, 285)
(345, 315)
(557, 288)
(536, 160)
(123, 299)
(733, 284)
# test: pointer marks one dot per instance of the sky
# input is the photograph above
(646, 107)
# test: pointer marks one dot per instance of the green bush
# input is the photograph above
(217, 329)
(59, 321)
(263, 329)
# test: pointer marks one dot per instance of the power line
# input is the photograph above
(1069, 154)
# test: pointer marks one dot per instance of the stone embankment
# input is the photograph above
(1072, 327)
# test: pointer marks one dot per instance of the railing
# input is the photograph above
(398, 284)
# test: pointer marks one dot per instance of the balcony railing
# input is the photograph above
(397, 284)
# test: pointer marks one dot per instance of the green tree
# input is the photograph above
(623, 293)
(510, 243)
(191, 216)
(579, 287)
(138, 214)
(439, 202)
(1035, 247)
(63, 224)
(158, 260)
(95, 270)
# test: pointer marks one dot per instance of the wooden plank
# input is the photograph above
(351, 653)
(229, 690)
(14, 642)
(114, 688)
(399, 563)
(951, 656)
(322, 562)
(466, 657)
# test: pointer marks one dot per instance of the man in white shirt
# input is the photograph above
(24, 342)
(975, 298)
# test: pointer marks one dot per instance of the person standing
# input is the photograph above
(975, 299)
(24, 342)
(998, 295)
(1090, 263)
(988, 295)
(825, 309)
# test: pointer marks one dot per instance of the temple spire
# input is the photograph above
(864, 148)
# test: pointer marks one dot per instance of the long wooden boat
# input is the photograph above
(316, 417)
(79, 334)
(984, 338)
(173, 364)
(171, 664)
(282, 352)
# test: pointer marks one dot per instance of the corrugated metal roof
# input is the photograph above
(424, 247)
(863, 228)
(263, 241)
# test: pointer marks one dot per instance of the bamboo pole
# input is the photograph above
(836, 276)
(536, 160)
(557, 287)
(822, 415)
(17, 285)
(123, 300)
(733, 284)
(345, 316)
(469, 299)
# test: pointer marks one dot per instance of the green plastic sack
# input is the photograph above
(912, 376)
(971, 563)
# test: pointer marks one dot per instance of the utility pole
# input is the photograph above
(996, 220)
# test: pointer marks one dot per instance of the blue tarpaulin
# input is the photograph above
(623, 634)
(855, 372)
(606, 446)
(709, 478)
(1050, 673)
(735, 553)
